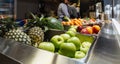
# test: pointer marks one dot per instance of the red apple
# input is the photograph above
(79, 28)
(84, 31)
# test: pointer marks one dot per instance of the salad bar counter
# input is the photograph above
(105, 49)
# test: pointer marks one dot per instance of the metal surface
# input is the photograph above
(107, 48)
(25, 54)
(65, 60)
(6, 60)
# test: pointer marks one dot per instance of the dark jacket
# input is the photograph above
(72, 11)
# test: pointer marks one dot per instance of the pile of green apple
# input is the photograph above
(67, 44)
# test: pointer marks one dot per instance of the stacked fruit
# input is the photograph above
(88, 21)
(10, 29)
(70, 44)
(94, 29)
(32, 32)
(77, 22)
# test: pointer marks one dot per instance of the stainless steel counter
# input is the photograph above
(106, 50)
(107, 47)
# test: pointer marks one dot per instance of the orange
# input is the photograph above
(96, 28)
(89, 29)
(63, 23)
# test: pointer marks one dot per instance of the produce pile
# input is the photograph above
(10, 29)
(70, 44)
(84, 26)
(79, 22)
(32, 33)
(93, 29)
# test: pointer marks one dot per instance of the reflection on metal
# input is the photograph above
(107, 49)
(7, 60)
(25, 54)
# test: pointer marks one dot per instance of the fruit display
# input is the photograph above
(30, 34)
(89, 29)
(70, 44)
(32, 31)
(84, 26)
(89, 21)
(77, 22)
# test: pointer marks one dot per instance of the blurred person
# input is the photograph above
(63, 10)
(72, 9)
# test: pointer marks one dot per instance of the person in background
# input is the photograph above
(63, 10)
(72, 9)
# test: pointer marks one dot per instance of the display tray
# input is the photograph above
(101, 24)
(26, 54)
(50, 33)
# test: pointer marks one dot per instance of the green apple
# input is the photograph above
(79, 54)
(57, 40)
(84, 49)
(67, 49)
(72, 29)
(71, 33)
(76, 41)
(86, 44)
(75, 27)
(65, 36)
(47, 46)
